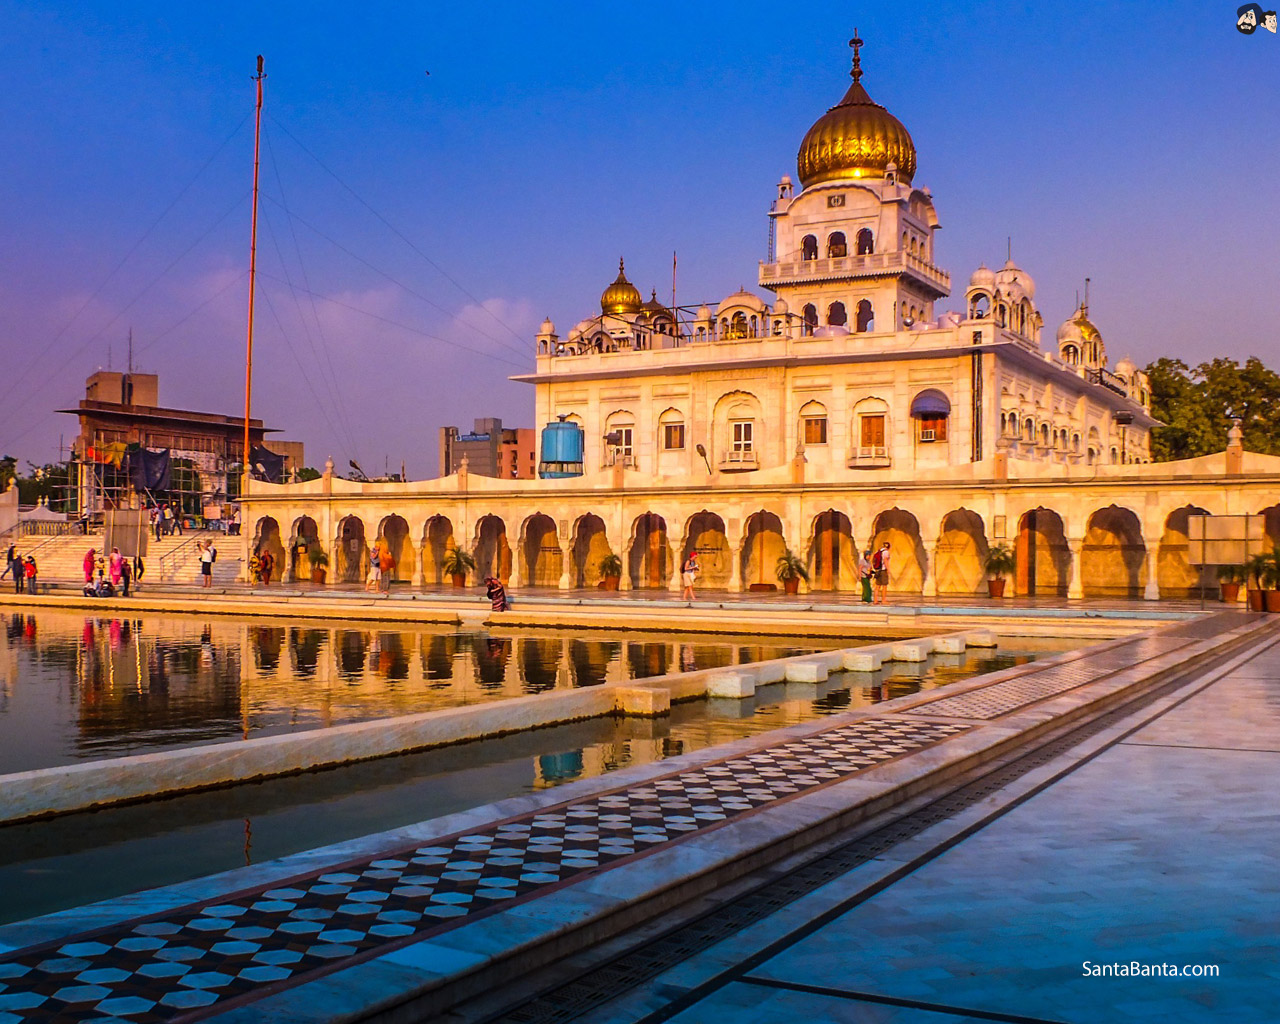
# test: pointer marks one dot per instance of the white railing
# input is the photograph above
(869, 455)
(739, 459)
(871, 263)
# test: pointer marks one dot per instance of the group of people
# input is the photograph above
(261, 564)
(873, 571)
(381, 565)
(105, 577)
(165, 521)
(23, 570)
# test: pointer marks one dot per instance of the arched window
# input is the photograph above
(1075, 443)
(914, 244)
(1115, 456)
(836, 245)
(836, 315)
(979, 306)
(671, 430)
(739, 327)
(1044, 434)
(1072, 355)
(1000, 314)
(755, 327)
(724, 327)
(930, 409)
(777, 328)
(866, 316)
(866, 242)
(1028, 429)
(809, 248)
(813, 423)
(810, 315)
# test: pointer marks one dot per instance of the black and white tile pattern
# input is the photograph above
(191, 962)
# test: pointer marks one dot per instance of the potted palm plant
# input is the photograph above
(610, 571)
(1271, 581)
(1000, 562)
(1230, 578)
(790, 570)
(1255, 569)
(457, 563)
(318, 561)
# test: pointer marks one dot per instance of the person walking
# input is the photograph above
(19, 571)
(29, 571)
(386, 566)
(497, 594)
(865, 574)
(154, 514)
(880, 566)
(266, 562)
(9, 563)
(90, 563)
(126, 576)
(373, 582)
(168, 519)
(113, 566)
(689, 576)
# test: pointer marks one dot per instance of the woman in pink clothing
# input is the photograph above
(90, 560)
(113, 568)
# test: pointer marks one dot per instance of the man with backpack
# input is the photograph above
(880, 569)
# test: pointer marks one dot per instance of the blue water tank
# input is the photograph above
(562, 446)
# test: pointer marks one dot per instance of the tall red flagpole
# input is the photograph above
(253, 273)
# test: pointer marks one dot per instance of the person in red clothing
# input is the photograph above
(29, 571)
(90, 561)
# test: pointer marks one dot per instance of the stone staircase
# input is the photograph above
(169, 560)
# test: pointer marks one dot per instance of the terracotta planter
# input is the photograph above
(1230, 592)
(318, 575)
(1255, 600)
(610, 582)
(459, 579)
(791, 586)
(995, 587)
(1271, 600)
(762, 588)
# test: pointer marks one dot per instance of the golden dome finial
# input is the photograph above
(621, 296)
(857, 138)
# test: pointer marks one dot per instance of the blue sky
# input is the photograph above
(417, 228)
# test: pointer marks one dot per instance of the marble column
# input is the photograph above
(1075, 589)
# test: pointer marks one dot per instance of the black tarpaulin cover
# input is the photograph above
(149, 469)
(266, 464)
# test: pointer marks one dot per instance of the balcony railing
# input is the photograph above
(738, 461)
(870, 456)
(840, 267)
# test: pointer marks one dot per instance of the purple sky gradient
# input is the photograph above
(1136, 144)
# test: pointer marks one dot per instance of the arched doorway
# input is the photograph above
(762, 544)
(542, 560)
(1044, 559)
(302, 545)
(649, 560)
(437, 540)
(833, 557)
(590, 548)
(493, 553)
(906, 550)
(1175, 574)
(1113, 559)
(705, 534)
(353, 555)
(393, 531)
(961, 555)
(266, 537)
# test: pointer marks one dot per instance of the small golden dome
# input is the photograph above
(857, 138)
(621, 296)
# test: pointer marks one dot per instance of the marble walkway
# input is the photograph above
(181, 960)
(1160, 850)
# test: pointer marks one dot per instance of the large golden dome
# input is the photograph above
(857, 138)
(621, 296)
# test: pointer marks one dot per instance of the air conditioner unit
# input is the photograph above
(928, 435)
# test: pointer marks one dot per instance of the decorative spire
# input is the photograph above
(622, 271)
(856, 43)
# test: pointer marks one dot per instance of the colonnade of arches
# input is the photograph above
(1111, 552)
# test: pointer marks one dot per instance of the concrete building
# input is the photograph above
(122, 409)
(490, 450)
(849, 409)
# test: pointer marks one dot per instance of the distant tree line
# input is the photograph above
(1197, 406)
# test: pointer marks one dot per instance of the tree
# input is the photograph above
(308, 473)
(1197, 406)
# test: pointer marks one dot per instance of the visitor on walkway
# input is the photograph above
(29, 571)
(689, 576)
(373, 582)
(865, 574)
(19, 570)
(168, 519)
(117, 560)
(126, 574)
(266, 562)
(154, 514)
(880, 565)
(208, 555)
(10, 560)
(497, 594)
(139, 569)
(90, 563)
(386, 566)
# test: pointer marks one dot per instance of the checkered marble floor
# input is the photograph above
(1002, 698)
(204, 958)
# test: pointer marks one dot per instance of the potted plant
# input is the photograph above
(1271, 581)
(1255, 569)
(1230, 578)
(319, 563)
(790, 571)
(610, 571)
(1000, 563)
(457, 563)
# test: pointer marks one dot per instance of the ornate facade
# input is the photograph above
(845, 410)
